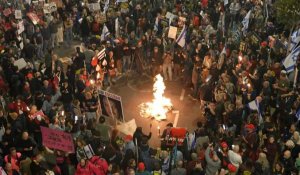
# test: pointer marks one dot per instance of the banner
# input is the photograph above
(127, 128)
(18, 14)
(56, 139)
(111, 105)
(172, 32)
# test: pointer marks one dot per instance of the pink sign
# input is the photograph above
(57, 139)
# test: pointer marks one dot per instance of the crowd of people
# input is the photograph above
(250, 101)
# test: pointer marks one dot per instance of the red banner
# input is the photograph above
(56, 139)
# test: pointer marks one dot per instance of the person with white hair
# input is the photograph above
(234, 157)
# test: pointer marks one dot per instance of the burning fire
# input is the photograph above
(160, 105)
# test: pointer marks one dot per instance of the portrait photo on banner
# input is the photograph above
(111, 105)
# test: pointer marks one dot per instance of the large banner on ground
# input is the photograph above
(111, 105)
(56, 139)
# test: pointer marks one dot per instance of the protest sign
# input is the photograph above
(20, 63)
(94, 6)
(172, 32)
(46, 8)
(88, 151)
(34, 18)
(56, 139)
(127, 128)
(111, 105)
(6, 12)
(20, 27)
(53, 7)
(18, 14)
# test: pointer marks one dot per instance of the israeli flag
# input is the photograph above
(181, 38)
(298, 114)
(156, 24)
(290, 61)
(245, 22)
(254, 106)
(106, 5)
(105, 33)
(295, 39)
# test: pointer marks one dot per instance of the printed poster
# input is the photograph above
(111, 105)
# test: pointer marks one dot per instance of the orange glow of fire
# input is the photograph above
(160, 105)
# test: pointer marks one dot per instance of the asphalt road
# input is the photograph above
(136, 89)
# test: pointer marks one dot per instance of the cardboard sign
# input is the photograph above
(20, 27)
(34, 18)
(18, 14)
(172, 32)
(6, 12)
(111, 105)
(20, 63)
(56, 139)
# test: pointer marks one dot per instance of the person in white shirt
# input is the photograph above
(234, 157)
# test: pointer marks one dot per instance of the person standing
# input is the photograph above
(167, 66)
(68, 24)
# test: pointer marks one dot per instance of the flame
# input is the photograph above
(160, 105)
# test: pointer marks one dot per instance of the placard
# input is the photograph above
(18, 14)
(111, 105)
(20, 63)
(6, 12)
(34, 18)
(88, 150)
(46, 8)
(172, 32)
(52, 7)
(56, 139)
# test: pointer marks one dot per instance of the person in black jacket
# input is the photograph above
(139, 135)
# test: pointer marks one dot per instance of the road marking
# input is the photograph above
(182, 94)
(176, 118)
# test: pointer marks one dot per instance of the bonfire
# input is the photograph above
(160, 105)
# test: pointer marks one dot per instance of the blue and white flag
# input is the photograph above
(245, 22)
(156, 24)
(105, 33)
(181, 38)
(106, 5)
(254, 105)
(298, 114)
(290, 61)
(295, 39)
